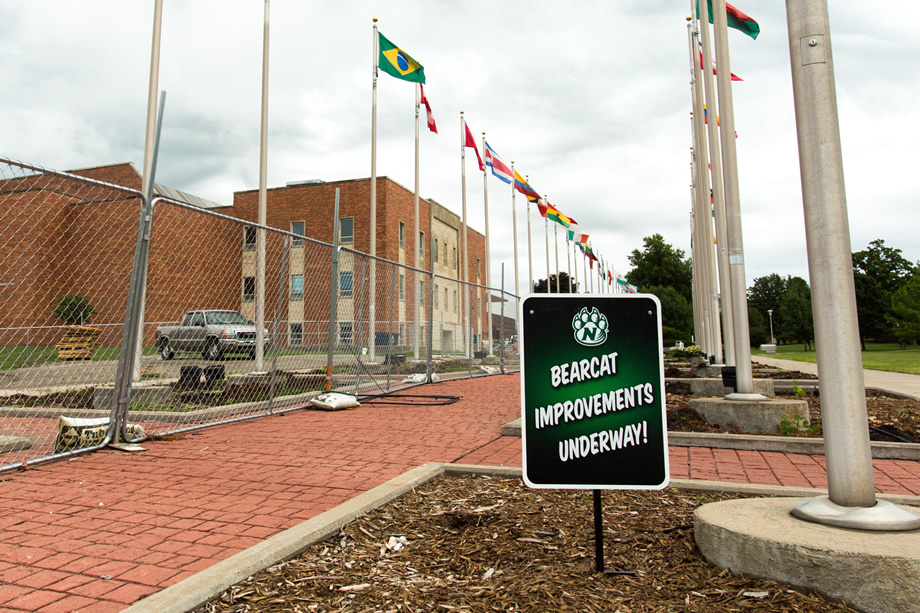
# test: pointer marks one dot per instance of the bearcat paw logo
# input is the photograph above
(590, 327)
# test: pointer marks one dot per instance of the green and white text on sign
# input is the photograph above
(592, 392)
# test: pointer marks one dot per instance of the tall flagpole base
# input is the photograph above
(882, 516)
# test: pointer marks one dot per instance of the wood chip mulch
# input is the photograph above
(492, 544)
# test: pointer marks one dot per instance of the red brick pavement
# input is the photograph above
(99, 531)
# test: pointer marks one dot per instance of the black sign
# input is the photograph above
(592, 392)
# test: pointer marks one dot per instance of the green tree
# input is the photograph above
(660, 265)
(765, 295)
(676, 311)
(905, 305)
(884, 264)
(539, 287)
(873, 308)
(758, 327)
(795, 310)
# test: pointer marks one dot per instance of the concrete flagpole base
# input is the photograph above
(883, 516)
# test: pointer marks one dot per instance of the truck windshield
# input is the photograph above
(228, 318)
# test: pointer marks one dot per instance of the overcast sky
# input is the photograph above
(591, 99)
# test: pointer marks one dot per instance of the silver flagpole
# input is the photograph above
(517, 282)
(568, 259)
(263, 197)
(416, 242)
(463, 292)
(371, 338)
(149, 138)
(556, 248)
(718, 201)
(485, 198)
(743, 370)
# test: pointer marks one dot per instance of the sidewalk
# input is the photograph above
(100, 531)
(899, 383)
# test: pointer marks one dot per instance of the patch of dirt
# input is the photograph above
(491, 544)
(890, 419)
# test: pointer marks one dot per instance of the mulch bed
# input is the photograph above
(492, 544)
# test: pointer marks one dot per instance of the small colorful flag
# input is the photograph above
(523, 187)
(736, 19)
(499, 168)
(396, 62)
(424, 100)
(702, 66)
(706, 120)
(471, 142)
(574, 234)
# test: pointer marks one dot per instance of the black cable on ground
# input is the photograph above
(412, 399)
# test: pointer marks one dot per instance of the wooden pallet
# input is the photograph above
(78, 343)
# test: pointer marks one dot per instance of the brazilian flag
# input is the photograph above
(396, 62)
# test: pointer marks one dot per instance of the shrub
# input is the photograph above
(73, 309)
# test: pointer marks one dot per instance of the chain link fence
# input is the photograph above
(121, 321)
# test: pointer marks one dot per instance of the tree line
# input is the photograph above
(887, 296)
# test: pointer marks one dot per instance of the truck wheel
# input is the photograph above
(212, 351)
(166, 352)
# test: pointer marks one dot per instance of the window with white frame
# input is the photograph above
(297, 334)
(297, 287)
(249, 289)
(297, 228)
(249, 238)
(346, 284)
(402, 234)
(346, 230)
(346, 333)
(402, 286)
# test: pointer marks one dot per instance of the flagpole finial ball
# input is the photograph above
(689, 18)
(461, 112)
(375, 19)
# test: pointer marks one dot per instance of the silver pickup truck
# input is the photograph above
(213, 334)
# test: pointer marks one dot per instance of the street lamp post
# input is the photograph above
(772, 339)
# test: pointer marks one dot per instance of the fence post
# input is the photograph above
(389, 349)
(281, 292)
(428, 364)
(333, 292)
(360, 321)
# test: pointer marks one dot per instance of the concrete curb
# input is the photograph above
(762, 442)
(211, 582)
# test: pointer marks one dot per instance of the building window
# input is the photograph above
(297, 334)
(346, 333)
(436, 298)
(477, 271)
(402, 287)
(346, 230)
(421, 244)
(445, 299)
(455, 258)
(435, 248)
(249, 289)
(297, 286)
(402, 234)
(249, 238)
(421, 292)
(297, 228)
(346, 284)
(455, 301)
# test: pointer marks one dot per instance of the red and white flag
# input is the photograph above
(431, 125)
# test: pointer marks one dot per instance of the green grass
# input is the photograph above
(877, 356)
(19, 356)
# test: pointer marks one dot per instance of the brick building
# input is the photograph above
(307, 209)
(63, 236)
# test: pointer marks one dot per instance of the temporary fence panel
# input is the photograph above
(67, 252)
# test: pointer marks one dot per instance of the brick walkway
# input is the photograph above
(100, 531)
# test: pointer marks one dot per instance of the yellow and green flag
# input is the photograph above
(396, 62)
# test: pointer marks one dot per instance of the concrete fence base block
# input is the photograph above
(752, 416)
(759, 537)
